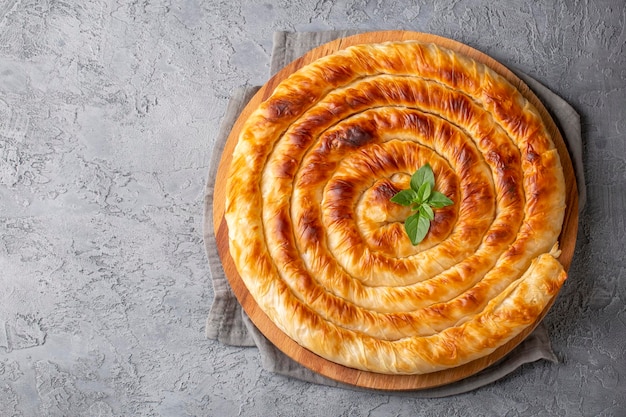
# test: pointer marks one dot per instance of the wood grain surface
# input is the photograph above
(305, 357)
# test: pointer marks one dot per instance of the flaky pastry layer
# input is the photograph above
(323, 251)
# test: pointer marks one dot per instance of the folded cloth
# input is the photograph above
(229, 324)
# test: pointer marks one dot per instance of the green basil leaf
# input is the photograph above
(427, 211)
(422, 176)
(404, 197)
(416, 227)
(438, 200)
(423, 226)
(422, 198)
(410, 226)
(424, 192)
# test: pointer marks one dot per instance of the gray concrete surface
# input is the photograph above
(107, 114)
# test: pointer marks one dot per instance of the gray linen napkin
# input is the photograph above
(229, 324)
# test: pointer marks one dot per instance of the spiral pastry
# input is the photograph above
(322, 249)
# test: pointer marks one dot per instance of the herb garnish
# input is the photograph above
(422, 198)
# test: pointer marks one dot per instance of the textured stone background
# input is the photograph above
(107, 114)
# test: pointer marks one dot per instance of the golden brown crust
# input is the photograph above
(322, 249)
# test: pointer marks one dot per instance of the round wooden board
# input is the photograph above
(305, 357)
